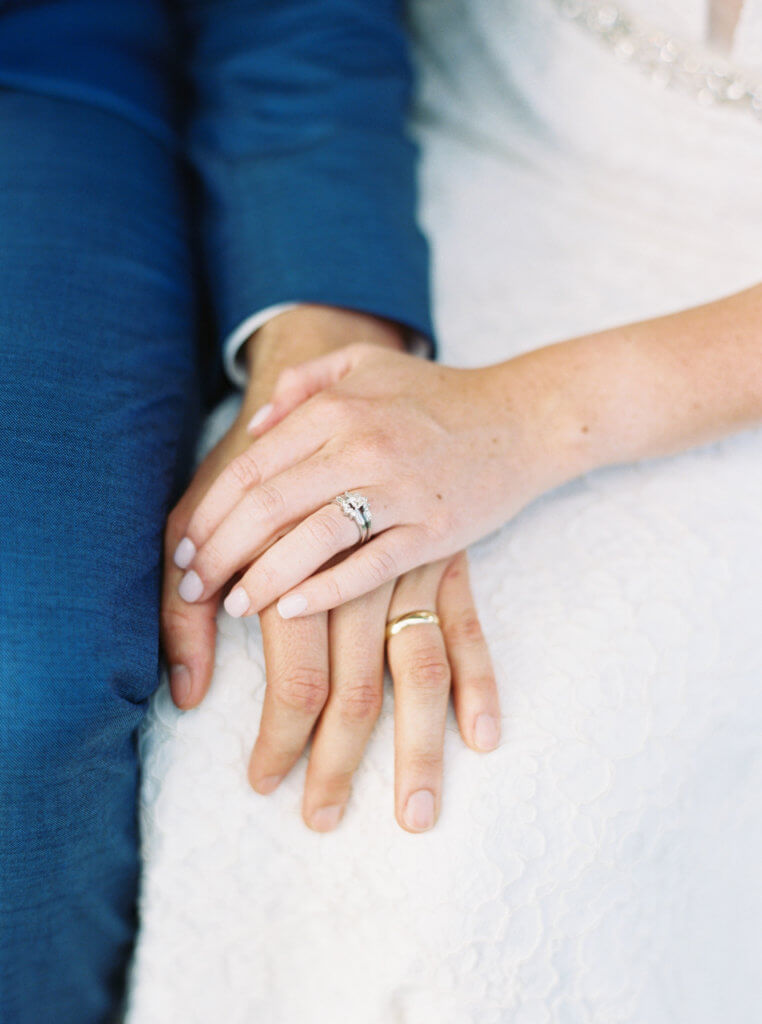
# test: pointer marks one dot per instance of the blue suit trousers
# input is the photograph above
(101, 398)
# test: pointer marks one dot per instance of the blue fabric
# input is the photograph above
(292, 112)
(99, 408)
(124, 126)
(297, 131)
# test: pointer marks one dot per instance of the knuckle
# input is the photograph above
(361, 349)
(340, 410)
(286, 378)
(361, 702)
(456, 569)
(430, 672)
(176, 625)
(381, 565)
(174, 527)
(324, 530)
(266, 502)
(424, 763)
(264, 578)
(334, 591)
(466, 631)
(383, 444)
(174, 620)
(484, 682)
(332, 783)
(303, 690)
(244, 471)
(210, 561)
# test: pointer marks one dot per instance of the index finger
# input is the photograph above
(291, 441)
(296, 663)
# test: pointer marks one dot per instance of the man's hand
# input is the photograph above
(325, 678)
(188, 631)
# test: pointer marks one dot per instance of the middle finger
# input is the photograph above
(356, 638)
(296, 662)
(258, 517)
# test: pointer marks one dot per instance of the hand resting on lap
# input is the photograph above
(325, 671)
(446, 455)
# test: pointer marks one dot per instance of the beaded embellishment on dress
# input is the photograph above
(670, 61)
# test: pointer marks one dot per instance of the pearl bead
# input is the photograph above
(668, 60)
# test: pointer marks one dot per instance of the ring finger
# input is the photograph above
(301, 552)
(260, 515)
(421, 674)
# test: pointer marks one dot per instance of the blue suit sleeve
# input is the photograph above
(297, 129)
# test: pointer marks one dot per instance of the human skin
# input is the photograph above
(447, 455)
(325, 672)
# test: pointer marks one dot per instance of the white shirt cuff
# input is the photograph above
(232, 356)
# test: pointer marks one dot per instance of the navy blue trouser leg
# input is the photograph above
(99, 409)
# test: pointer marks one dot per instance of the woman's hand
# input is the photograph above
(188, 631)
(328, 669)
(325, 679)
(325, 673)
(447, 455)
(443, 455)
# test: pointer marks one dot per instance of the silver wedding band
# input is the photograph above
(355, 506)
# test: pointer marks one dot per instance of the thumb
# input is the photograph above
(297, 383)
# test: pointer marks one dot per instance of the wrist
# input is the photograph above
(598, 400)
(303, 333)
(536, 423)
(308, 331)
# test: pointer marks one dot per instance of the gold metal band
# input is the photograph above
(417, 618)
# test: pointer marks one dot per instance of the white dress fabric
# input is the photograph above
(603, 865)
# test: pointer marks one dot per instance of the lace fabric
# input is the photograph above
(601, 867)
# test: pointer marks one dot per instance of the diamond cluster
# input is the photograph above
(669, 61)
(356, 507)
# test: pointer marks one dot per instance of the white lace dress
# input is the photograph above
(601, 867)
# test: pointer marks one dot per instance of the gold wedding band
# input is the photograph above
(417, 618)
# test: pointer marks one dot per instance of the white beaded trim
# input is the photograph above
(669, 61)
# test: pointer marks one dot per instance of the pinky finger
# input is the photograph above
(474, 689)
(384, 558)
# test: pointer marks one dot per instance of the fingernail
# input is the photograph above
(419, 809)
(260, 416)
(326, 818)
(184, 554)
(191, 588)
(267, 784)
(486, 731)
(292, 605)
(237, 602)
(180, 683)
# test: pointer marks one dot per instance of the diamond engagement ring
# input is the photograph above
(355, 507)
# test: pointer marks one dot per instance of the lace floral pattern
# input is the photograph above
(602, 866)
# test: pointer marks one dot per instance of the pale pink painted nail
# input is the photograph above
(419, 809)
(191, 588)
(260, 416)
(326, 818)
(267, 784)
(180, 683)
(237, 602)
(185, 552)
(293, 604)
(486, 731)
